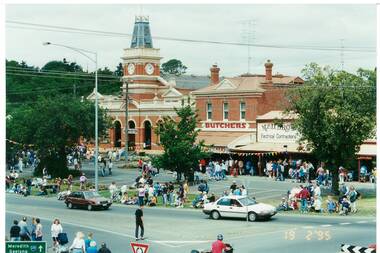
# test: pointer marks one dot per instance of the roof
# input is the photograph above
(276, 115)
(141, 37)
(251, 83)
(192, 82)
(367, 150)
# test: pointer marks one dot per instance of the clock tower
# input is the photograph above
(141, 61)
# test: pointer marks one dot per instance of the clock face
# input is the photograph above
(149, 69)
(131, 68)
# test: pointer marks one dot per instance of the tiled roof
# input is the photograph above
(192, 82)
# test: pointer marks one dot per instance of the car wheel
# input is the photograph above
(252, 216)
(70, 205)
(215, 215)
(106, 208)
(89, 207)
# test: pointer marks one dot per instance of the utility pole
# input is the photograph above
(342, 53)
(126, 123)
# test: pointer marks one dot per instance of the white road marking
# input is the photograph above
(308, 227)
(344, 223)
(361, 222)
(326, 225)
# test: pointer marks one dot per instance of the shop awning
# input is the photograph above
(219, 139)
(367, 150)
(270, 147)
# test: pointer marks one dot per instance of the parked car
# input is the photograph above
(87, 199)
(239, 207)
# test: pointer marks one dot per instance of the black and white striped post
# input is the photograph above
(346, 248)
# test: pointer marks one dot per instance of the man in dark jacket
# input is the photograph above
(15, 231)
(104, 249)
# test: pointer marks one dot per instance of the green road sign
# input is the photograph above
(25, 247)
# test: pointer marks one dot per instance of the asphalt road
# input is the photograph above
(180, 230)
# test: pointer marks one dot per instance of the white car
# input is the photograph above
(239, 207)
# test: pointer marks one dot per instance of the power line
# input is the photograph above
(116, 34)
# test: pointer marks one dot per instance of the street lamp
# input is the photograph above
(94, 60)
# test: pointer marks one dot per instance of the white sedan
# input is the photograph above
(239, 207)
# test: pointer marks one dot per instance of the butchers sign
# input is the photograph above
(224, 125)
(270, 132)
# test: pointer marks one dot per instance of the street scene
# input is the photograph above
(190, 128)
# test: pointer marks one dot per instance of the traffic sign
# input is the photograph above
(139, 247)
(25, 247)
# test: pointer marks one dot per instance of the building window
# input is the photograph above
(242, 110)
(209, 111)
(225, 111)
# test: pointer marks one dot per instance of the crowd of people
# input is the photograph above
(309, 199)
(22, 231)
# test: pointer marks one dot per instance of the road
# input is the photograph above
(180, 230)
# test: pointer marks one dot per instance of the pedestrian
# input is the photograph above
(39, 233)
(92, 248)
(78, 245)
(304, 195)
(70, 183)
(24, 232)
(141, 195)
(139, 223)
(56, 228)
(88, 240)
(104, 249)
(83, 180)
(15, 232)
(110, 165)
(33, 229)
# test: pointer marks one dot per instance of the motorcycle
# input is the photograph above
(228, 249)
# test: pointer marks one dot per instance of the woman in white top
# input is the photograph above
(56, 228)
(78, 245)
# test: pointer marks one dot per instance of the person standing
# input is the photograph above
(56, 228)
(38, 230)
(139, 223)
(110, 165)
(33, 229)
(78, 245)
(15, 232)
(92, 248)
(70, 183)
(24, 232)
(83, 180)
(304, 196)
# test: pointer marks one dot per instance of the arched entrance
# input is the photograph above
(131, 135)
(147, 135)
(117, 138)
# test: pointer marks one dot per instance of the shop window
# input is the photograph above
(209, 111)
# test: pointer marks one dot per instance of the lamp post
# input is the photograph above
(94, 60)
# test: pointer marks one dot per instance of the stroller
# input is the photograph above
(62, 241)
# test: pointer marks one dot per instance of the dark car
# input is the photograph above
(87, 199)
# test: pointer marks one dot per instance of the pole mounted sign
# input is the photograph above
(25, 247)
(139, 247)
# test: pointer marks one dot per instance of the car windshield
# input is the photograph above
(91, 195)
(247, 201)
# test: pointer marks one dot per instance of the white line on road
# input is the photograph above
(362, 221)
(326, 225)
(308, 227)
(344, 223)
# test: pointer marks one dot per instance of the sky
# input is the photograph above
(294, 25)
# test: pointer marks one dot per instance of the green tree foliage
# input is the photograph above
(179, 141)
(26, 83)
(173, 66)
(336, 113)
(119, 70)
(53, 124)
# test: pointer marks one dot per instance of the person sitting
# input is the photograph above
(318, 205)
(212, 198)
(284, 205)
(153, 201)
(132, 201)
(331, 205)
(42, 191)
(197, 200)
(125, 198)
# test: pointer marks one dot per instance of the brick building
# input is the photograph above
(228, 108)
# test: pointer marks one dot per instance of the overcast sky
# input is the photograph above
(301, 25)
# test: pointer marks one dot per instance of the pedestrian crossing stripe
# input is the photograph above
(139, 247)
(355, 249)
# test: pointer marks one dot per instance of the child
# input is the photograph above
(331, 205)
(345, 206)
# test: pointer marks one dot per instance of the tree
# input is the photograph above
(173, 66)
(119, 70)
(336, 113)
(179, 141)
(51, 125)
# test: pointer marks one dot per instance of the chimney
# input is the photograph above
(214, 74)
(268, 71)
